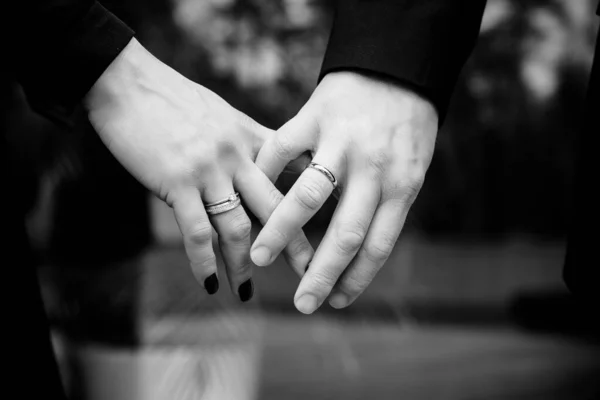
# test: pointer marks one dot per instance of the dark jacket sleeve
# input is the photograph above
(423, 44)
(59, 48)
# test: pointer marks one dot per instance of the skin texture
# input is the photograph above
(189, 147)
(377, 138)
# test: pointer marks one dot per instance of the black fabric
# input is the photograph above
(582, 272)
(31, 371)
(57, 49)
(421, 43)
(61, 47)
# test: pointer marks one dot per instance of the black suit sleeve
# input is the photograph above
(59, 48)
(423, 44)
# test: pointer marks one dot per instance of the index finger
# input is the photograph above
(197, 236)
(304, 199)
(262, 198)
(290, 141)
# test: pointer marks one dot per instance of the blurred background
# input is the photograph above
(471, 305)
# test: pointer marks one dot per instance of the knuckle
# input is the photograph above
(204, 263)
(406, 192)
(226, 149)
(283, 147)
(354, 285)
(244, 270)
(200, 234)
(322, 282)
(310, 195)
(198, 169)
(349, 237)
(275, 197)
(414, 185)
(299, 247)
(411, 191)
(275, 235)
(239, 228)
(303, 247)
(208, 161)
(379, 161)
(379, 250)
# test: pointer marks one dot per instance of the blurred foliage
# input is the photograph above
(263, 57)
(504, 159)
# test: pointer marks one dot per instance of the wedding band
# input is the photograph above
(325, 172)
(221, 206)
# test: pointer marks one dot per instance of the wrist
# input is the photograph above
(406, 93)
(134, 69)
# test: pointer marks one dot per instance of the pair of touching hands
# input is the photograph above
(191, 148)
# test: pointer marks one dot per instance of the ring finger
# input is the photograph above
(197, 236)
(233, 227)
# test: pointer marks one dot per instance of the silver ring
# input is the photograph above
(221, 206)
(325, 172)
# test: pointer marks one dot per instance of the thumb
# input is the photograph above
(286, 145)
(257, 132)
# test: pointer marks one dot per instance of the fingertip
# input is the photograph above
(339, 300)
(306, 304)
(246, 290)
(211, 284)
(261, 256)
(299, 253)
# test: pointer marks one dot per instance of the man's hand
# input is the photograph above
(189, 147)
(377, 139)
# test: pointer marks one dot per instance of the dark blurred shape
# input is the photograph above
(556, 311)
(505, 159)
(211, 284)
(582, 268)
(26, 331)
(246, 290)
(504, 166)
(101, 215)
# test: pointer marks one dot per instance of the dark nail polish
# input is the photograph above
(246, 290)
(211, 284)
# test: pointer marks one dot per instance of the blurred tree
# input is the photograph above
(504, 161)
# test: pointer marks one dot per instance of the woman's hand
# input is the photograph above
(377, 139)
(189, 147)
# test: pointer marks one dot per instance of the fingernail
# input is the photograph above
(339, 300)
(246, 290)
(211, 284)
(261, 256)
(307, 304)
